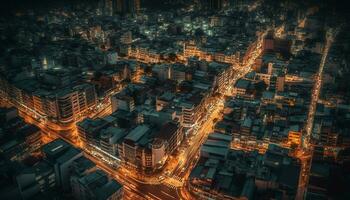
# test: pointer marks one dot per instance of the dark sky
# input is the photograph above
(11, 5)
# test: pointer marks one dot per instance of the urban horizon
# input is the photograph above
(174, 99)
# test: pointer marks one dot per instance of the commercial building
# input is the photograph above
(135, 150)
(274, 173)
(61, 155)
(171, 134)
(19, 140)
(193, 107)
(88, 129)
(241, 87)
(97, 185)
(211, 5)
(122, 102)
(127, 6)
(65, 104)
(32, 137)
(36, 179)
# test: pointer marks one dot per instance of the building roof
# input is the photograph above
(94, 180)
(248, 188)
(55, 147)
(68, 155)
(167, 131)
(196, 172)
(59, 151)
(28, 130)
(98, 183)
(216, 151)
(216, 143)
(211, 173)
(82, 164)
(137, 133)
(268, 95)
(242, 84)
(92, 124)
(114, 134)
(108, 190)
(247, 122)
(40, 168)
(289, 175)
(220, 137)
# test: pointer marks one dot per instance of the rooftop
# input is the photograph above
(59, 151)
(242, 84)
(136, 134)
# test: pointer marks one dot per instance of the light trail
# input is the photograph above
(306, 153)
(189, 159)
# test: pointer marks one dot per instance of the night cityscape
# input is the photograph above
(174, 100)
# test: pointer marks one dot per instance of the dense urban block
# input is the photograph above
(174, 99)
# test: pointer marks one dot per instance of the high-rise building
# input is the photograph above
(111, 7)
(172, 135)
(74, 103)
(126, 38)
(137, 152)
(122, 102)
(211, 5)
(280, 83)
(127, 6)
(268, 42)
(106, 7)
(238, 4)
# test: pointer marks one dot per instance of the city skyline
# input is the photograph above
(167, 100)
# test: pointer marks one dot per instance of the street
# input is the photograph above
(305, 155)
(172, 185)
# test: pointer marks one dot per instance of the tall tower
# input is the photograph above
(136, 6)
(127, 6)
(211, 5)
(111, 7)
(120, 6)
(106, 7)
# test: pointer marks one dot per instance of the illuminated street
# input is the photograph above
(307, 149)
(174, 100)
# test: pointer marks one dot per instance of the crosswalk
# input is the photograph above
(177, 178)
(171, 186)
(174, 182)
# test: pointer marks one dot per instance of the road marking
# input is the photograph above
(133, 186)
(168, 194)
(127, 187)
(154, 196)
(170, 186)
